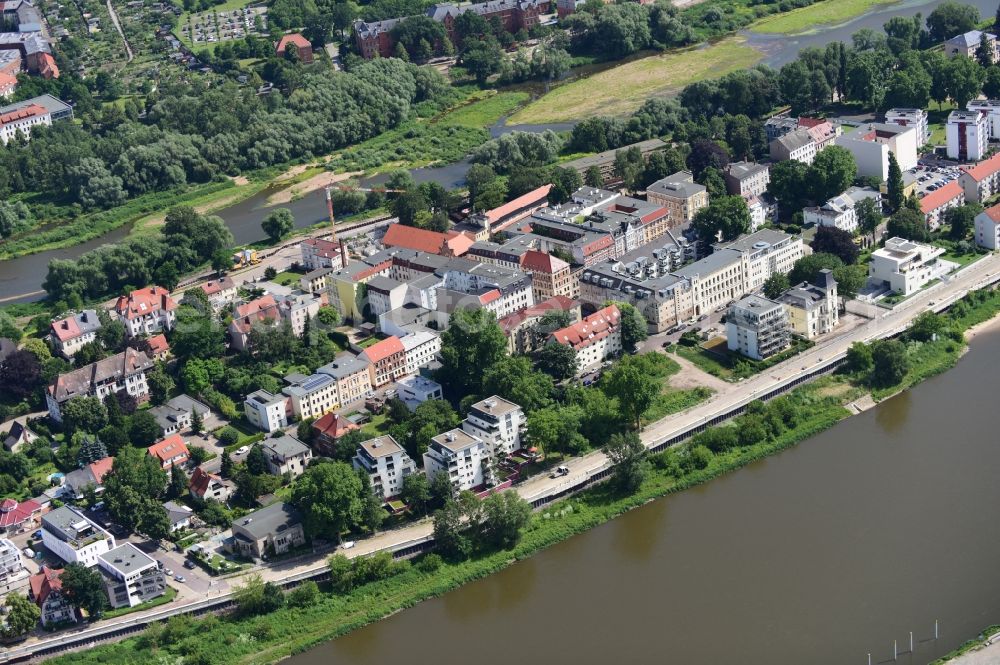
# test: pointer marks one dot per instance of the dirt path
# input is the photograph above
(692, 377)
(312, 184)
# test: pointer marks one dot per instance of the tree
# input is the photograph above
(849, 280)
(960, 220)
(869, 216)
(776, 284)
(372, 512)
(926, 326)
(482, 58)
(22, 616)
(416, 492)
(84, 414)
(706, 154)
(514, 379)
(278, 224)
(985, 50)
(807, 268)
(891, 363)
(838, 242)
(160, 383)
(22, 373)
(950, 19)
(965, 79)
(449, 531)
(628, 459)
(634, 389)
(633, 327)
(907, 223)
(143, 429)
(304, 595)
(256, 597)
(593, 177)
(556, 430)
(132, 489)
(330, 498)
(472, 343)
(84, 588)
(789, 184)
(833, 171)
(178, 482)
(197, 423)
(557, 360)
(226, 466)
(502, 517)
(91, 450)
(477, 179)
(728, 217)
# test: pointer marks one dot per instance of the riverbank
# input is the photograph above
(816, 407)
(981, 650)
(816, 17)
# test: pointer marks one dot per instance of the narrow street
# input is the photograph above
(118, 27)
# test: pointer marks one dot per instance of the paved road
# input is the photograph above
(988, 655)
(972, 277)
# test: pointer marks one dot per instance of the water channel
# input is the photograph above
(819, 555)
(22, 277)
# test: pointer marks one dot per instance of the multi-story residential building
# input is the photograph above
(286, 454)
(757, 327)
(871, 143)
(498, 423)
(433, 242)
(916, 118)
(812, 308)
(21, 121)
(353, 375)
(523, 328)
(991, 107)
(935, 203)
(266, 411)
(8, 84)
(297, 44)
(415, 390)
(47, 593)
(680, 195)
(421, 348)
(779, 125)
(73, 537)
(387, 360)
(385, 294)
(747, 179)
(312, 396)
(968, 135)
(904, 266)
(13, 575)
(122, 371)
(220, 292)
(327, 430)
(840, 211)
(272, 530)
(147, 311)
(550, 275)
(967, 43)
(296, 308)
(204, 486)
(131, 576)
(987, 228)
(75, 331)
(171, 451)
(319, 253)
(797, 144)
(981, 181)
(596, 338)
(461, 456)
(386, 463)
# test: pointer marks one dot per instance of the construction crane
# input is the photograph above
(333, 222)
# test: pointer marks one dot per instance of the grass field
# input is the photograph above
(621, 90)
(811, 18)
(484, 109)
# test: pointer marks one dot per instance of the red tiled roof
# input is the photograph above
(294, 38)
(535, 196)
(158, 344)
(217, 286)
(47, 67)
(65, 329)
(169, 448)
(6, 80)
(984, 169)
(145, 301)
(807, 122)
(333, 426)
(200, 480)
(993, 213)
(511, 321)
(100, 468)
(489, 296)
(20, 114)
(44, 582)
(935, 200)
(422, 240)
(13, 513)
(535, 261)
(595, 327)
(383, 349)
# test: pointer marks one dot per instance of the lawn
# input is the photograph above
(812, 18)
(715, 358)
(623, 89)
(167, 596)
(378, 425)
(484, 109)
(287, 278)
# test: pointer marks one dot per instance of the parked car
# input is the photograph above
(560, 471)
(243, 450)
(189, 564)
(180, 578)
(347, 544)
(28, 552)
(168, 572)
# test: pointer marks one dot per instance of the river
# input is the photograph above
(21, 278)
(821, 555)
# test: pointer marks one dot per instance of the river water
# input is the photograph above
(819, 555)
(22, 277)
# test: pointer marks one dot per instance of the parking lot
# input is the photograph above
(933, 174)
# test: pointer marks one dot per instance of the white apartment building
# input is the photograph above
(422, 347)
(220, 292)
(839, 212)
(991, 107)
(497, 422)
(22, 121)
(415, 390)
(131, 576)
(353, 376)
(987, 228)
(13, 575)
(764, 253)
(386, 464)
(916, 118)
(872, 142)
(123, 371)
(70, 334)
(595, 338)
(797, 144)
(747, 179)
(297, 308)
(967, 43)
(460, 456)
(813, 309)
(903, 266)
(313, 396)
(266, 411)
(73, 537)
(286, 454)
(968, 134)
(147, 311)
(319, 253)
(981, 181)
(757, 327)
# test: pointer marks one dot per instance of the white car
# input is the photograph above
(347, 544)
(243, 450)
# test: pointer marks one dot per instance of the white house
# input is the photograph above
(73, 537)
(968, 135)
(595, 338)
(916, 118)
(266, 411)
(415, 390)
(988, 228)
(386, 463)
(73, 332)
(21, 121)
(498, 423)
(840, 211)
(286, 454)
(757, 327)
(460, 456)
(747, 179)
(871, 143)
(131, 576)
(991, 107)
(904, 266)
(422, 347)
(312, 396)
(147, 311)
(123, 371)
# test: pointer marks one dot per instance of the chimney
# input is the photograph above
(329, 212)
(343, 254)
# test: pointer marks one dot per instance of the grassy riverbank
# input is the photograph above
(815, 17)
(622, 89)
(970, 645)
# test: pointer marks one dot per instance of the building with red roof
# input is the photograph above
(170, 451)
(422, 240)
(981, 181)
(205, 485)
(520, 208)
(550, 275)
(387, 360)
(595, 338)
(260, 312)
(90, 475)
(17, 517)
(156, 347)
(935, 203)
(8, 84)
(147, 311)
(987, 228)
(318, 253)
(220, 292)
(22, 120)
(46, 592)
(328, 429)
(68, 335)
(298, 45)
(521, 328)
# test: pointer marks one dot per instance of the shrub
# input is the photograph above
(228, 436)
